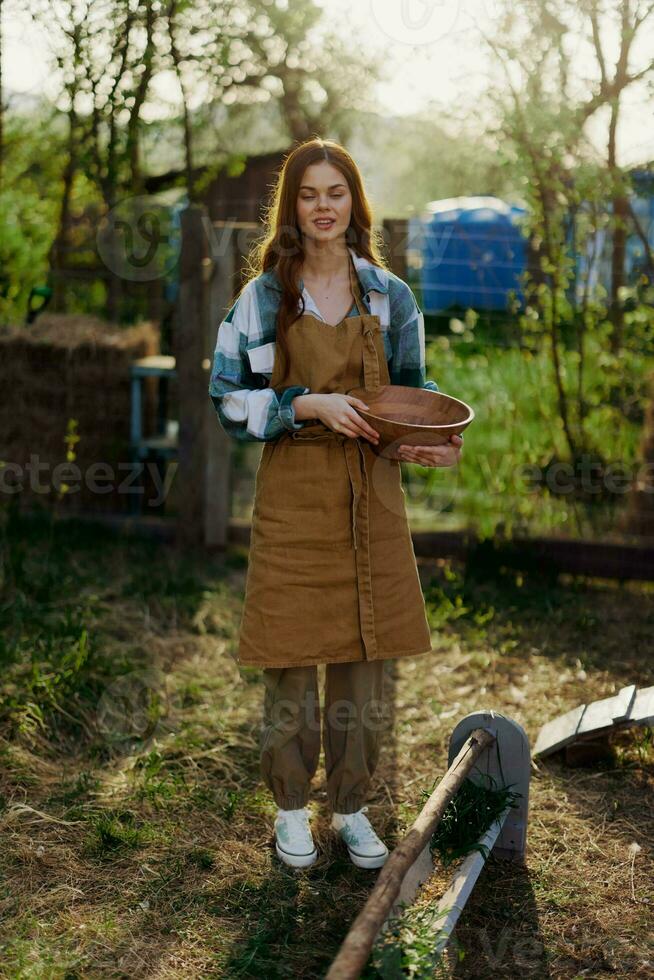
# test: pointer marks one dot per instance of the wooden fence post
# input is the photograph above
(218, 466)
(190, 354)
(396, 231)
(210, 264)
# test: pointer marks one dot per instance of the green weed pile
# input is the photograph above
(469, 814)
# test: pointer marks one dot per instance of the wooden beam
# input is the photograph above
(577, 556)
(604, 559)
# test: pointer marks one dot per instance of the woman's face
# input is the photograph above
(324, 203)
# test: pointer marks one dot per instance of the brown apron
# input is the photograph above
(332, 574)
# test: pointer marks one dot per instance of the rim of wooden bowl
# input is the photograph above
(420, 425)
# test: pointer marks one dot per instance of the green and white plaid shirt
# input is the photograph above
(247, 408)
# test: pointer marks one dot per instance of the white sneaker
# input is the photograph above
(293, 840)
(365, 848)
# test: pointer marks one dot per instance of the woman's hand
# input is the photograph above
(446, 455)
(336, 412)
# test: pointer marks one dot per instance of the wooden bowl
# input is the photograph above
(405, 416)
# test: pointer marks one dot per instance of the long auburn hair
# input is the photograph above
(281, 247)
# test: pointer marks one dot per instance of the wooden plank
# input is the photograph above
(150, 525)
(155, 364)
(218, 463)
(642, 710)
(598, 715)
(559, 732)
(421, 869)
(624, 702)
(603, 559)
(583, 731)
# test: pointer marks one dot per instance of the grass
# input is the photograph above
(467, 817)
(137, 835)
(517, 433)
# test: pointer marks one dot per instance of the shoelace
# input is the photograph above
(362, 827)
(300, 818)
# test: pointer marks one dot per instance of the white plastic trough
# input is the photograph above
(484, 744)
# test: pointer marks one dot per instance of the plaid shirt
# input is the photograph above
(247, 408)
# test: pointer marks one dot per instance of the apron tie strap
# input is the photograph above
(371, 371)
(356, 479)
(356, 290)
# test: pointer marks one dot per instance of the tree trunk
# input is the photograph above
(58, 249)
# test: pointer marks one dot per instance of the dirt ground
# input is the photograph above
(137, 835)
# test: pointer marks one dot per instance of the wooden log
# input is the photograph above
(356, 947)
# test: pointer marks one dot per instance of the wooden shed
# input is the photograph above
(231, 196)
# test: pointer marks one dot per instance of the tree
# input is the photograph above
(543, 110)
(109, 53)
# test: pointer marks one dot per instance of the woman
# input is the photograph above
(332, 577)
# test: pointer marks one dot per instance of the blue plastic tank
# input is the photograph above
(470, 252)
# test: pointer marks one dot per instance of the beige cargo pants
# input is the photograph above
(354, 717)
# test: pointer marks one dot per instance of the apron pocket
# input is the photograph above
(310, 529)
(304, 498)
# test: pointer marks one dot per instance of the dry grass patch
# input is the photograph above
(137, 835)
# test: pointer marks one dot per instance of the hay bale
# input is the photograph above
(65, 367)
